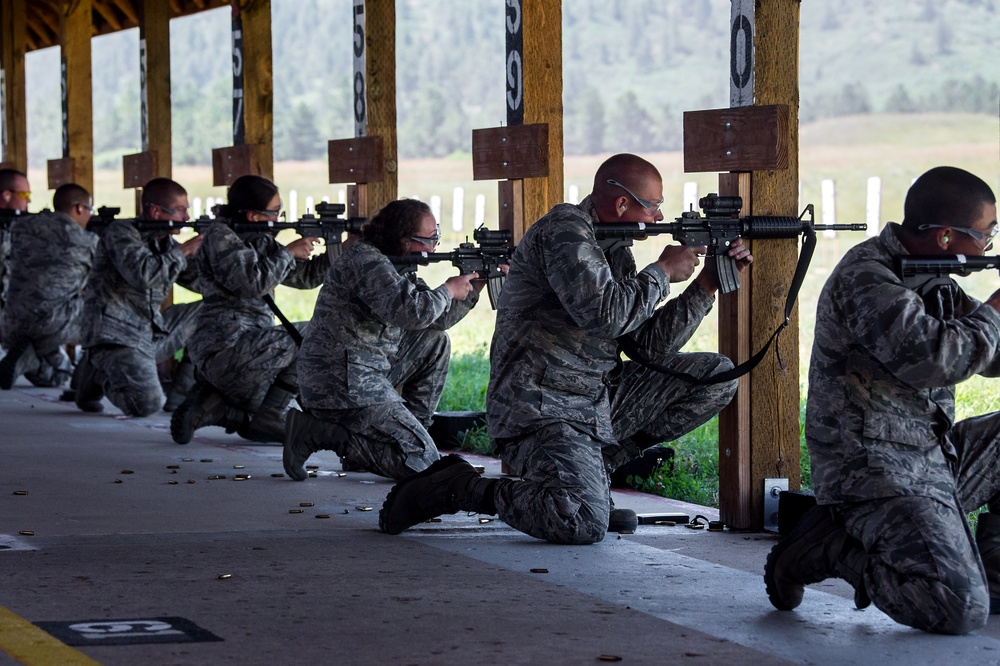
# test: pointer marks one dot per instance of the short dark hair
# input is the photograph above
(945, 195)
(248, 193)
(8, 178)
(68, 195)
(161, 192)
(396, 221)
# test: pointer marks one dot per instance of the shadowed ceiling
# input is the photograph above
(42, 16)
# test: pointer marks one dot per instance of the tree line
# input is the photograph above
(620, 91)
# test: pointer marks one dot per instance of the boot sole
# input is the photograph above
(769, 584)
(435, 467)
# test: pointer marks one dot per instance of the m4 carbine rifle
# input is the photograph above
(484, 259)
(922, 272)
(107, 214)
(718, 228)
(327, 224)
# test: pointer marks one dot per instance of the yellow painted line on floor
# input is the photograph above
(30, 645)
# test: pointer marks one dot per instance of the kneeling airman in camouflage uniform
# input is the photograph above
(894, 474)
(51, 257)
(562, 408)
(375, 359)
(125, 332)
(15, 195)
(245, 363)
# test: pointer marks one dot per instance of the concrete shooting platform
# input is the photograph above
(129, 549)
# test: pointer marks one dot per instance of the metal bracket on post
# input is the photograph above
(772, 495)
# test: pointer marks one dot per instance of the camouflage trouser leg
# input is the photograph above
(180, 321)
(385, 439)
(649, 407)
(53, 369)
(132, 382)
(420, 369)
(244, 372)
(564, 495)
(977, 441)
(922, 568)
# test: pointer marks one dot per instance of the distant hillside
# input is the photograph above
(631, 68)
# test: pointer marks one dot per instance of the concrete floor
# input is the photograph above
(121, 524)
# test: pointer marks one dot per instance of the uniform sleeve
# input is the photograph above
(672, 325)
(394, 298)
(579, 273)
(309, 273)
(937, 340)
(250, 268)
(136, 261)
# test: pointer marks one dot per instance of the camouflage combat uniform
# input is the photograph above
(237, 348)
(6, 221)
(886, 451)
(125, 333)
(375, 331)
(561, 406)
(51, 257)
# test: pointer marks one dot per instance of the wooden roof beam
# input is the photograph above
(107, 13)
(128, 10)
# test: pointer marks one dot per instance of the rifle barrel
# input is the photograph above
(856, 226)
(943, 264)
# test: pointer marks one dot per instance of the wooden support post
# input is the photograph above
(155, 160)
(774, 385)
(742, 140)
(735, 484)
(252, 152)
(380, 96)
(13, 40)
(258, 82)
(759, 430)
(78, 111)
(536, 73)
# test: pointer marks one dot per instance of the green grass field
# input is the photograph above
(896, 148)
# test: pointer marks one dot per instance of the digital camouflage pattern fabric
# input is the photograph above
(374, 331)
(51, 259)
(562, 406)
(237, 347)
(124, 328)
(886, 450)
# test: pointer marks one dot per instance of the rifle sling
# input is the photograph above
(292, 331)
(633, 352)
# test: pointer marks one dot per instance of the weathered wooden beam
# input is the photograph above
(13, 44)
(380, 95)
(154, 43)
(258, 82)
(543, 95)
(129, 10)
(774, 385)
(736, 488)
(79, 113)
(107, 12)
